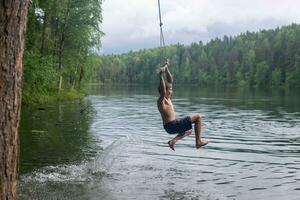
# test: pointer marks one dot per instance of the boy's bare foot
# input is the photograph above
(201, 143)
(171, 145)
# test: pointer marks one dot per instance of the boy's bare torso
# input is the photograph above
(166, 109)
(167, 112)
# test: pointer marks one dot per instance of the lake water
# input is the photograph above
(112, 145)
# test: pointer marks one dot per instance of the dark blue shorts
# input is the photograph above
(179, 126)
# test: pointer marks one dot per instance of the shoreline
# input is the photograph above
(43, 98)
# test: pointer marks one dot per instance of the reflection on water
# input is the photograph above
(54, 134)
(117, 149)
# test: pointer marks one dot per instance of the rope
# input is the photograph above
(162, 40)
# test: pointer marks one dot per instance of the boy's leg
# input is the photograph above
(197, 119)
(178, 137)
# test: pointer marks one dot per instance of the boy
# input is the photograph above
(182, 127)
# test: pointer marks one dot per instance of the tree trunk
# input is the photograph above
(45, 22)
(60, 66)
(13, 16)
(81, 75)
(60, 50)
(61, 47)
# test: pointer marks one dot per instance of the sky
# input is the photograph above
(131, 25)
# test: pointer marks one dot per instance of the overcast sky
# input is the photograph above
(134, 24)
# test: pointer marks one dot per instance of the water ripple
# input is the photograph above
(252, 154)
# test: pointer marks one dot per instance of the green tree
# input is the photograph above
(263, 59)
(262, 75)
(61, 42)
(275, 78)
(293, 77)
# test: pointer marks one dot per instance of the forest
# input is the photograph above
(268, 59)
(61, 40)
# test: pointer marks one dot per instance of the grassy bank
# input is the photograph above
(42, 98)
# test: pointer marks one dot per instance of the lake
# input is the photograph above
(111, 145)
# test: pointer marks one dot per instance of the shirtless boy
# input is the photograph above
(182, 127)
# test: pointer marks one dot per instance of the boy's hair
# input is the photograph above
(168, 85)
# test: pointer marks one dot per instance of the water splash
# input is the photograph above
(86, 171)
(76, 180)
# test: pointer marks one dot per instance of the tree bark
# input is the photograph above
(13, 16)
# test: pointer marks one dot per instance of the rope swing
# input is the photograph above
(162, 40)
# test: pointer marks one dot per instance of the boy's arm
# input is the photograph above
(162, 85)
(168, 73)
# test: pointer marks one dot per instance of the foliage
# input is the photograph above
(61, 38)
(265, 59)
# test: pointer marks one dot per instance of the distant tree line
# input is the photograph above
(264, 59)
(60, 40)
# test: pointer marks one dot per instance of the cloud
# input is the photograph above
(134, 24)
